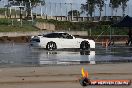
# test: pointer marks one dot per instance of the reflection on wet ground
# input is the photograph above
(23, 55)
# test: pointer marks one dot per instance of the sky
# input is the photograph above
(67, 1)
(50, 8)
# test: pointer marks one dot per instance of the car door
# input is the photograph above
(67, 41)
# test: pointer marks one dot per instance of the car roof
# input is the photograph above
(54, 32)
(58, 32)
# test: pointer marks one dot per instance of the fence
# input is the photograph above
(60, 11)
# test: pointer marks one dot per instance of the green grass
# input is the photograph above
(9, 25)
(10, 28)
(93, 28)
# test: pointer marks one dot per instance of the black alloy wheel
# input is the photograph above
(85, 45)
(51, 46)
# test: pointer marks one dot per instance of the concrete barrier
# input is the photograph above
(25, 36)
(13, 34)
(45, 26)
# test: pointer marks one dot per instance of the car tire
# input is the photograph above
(51, 46)
(85, 45)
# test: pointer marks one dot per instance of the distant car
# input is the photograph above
(61, 40)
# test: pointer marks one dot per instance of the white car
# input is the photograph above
(61, 40)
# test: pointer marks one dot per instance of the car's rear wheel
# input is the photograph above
(85, 45)
(51, 46)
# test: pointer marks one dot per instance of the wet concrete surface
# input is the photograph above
(19, 39)
(22, 54)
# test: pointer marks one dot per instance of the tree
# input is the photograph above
(89, 7)
(116, 3)
(124, 5)
(74, 13)
(100, 4)
(29, 4)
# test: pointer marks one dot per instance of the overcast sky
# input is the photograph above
(67, 1)
(50, 8)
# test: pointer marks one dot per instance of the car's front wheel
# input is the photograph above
(51, 46)
(85, 45)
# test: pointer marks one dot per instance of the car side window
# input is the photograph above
(66, 36)
(52, 35)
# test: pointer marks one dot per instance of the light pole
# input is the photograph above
(31, 10)
(66, 12)
(111, 9)
(61, 11)
(5, 12)
(21, 12)
(21, 15)
(26, 10)
(50, 10)
(41, 11)
(55, 9)
(71, 12)
(36, 11)
(88, 5)
(10, 12)
(45, 11)
(105, 9)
